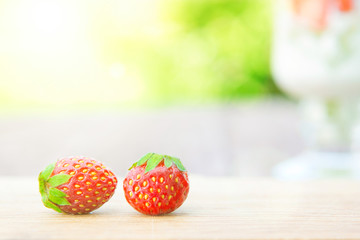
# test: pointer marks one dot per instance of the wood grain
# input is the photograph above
(217, 208)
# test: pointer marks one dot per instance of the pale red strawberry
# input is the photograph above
(312, 12)
(315, 13)
(345, 5)
(76, 185)
(156, 184)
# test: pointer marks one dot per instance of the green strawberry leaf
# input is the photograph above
(132, 166)
(47, 172)
(56, 192)
(43, 196)
(42, 187)
(59, 179)
(58, 200)
(178, 163)
(144, 159)
(49, 204)
(153, 161)
(167, 162)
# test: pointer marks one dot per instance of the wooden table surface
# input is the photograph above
(216, 208)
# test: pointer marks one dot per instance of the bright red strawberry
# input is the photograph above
(76, 185)
(156, 184)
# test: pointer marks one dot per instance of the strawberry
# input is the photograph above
(315, 13)
(156, 184)
(312, 13)
(76, 185)
(345, 5)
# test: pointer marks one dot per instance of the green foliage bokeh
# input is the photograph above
(136, 53)
(219, 49)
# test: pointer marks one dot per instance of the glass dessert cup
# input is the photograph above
(316, 58)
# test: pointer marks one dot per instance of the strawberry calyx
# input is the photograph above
(152, 160)
(50, 195)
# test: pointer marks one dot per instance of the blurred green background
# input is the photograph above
(88, 54)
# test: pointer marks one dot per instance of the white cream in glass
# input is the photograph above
(316, 58)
